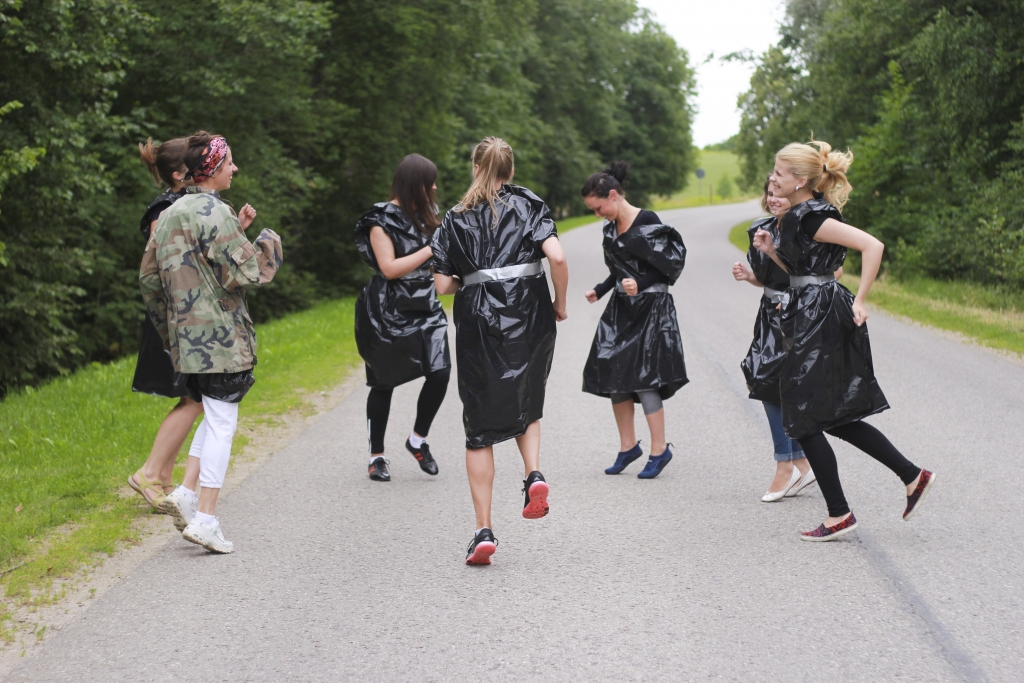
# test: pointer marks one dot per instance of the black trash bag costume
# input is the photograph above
(504, 329)
(763, 362)
(154, 371)
(637, 345)
(401, 328)
(827, 378)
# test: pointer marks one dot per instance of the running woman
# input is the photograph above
(401, 328)
(194, 276)
(637, 354)
(488, 252)
(764, 358)
(154, 372)
(827, 379)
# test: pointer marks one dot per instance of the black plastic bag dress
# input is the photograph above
(401, 328)
(827, 378)
(504, 328)
(637, 345)
(763, 362)
(154, 371)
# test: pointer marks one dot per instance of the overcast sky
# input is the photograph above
(719, 26)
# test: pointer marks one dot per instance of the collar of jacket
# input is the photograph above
(195, 189)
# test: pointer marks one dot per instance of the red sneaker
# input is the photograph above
(830, 533)
(924, 485)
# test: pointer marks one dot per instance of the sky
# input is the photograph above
(719, 27)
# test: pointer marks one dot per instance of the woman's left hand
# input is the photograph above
(763, 242)
(246, 216)
(860, 312)
(630, 286)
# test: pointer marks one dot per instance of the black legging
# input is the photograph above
(378, 407)
(865, 437)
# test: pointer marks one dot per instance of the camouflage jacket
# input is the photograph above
(197, 266)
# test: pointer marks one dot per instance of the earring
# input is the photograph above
(799, 186)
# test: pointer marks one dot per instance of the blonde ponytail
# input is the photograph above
(824, 169)
(494, 162)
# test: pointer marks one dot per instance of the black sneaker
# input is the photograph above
(536, 490)
(379, 470)
(481, 547)
(423, 457)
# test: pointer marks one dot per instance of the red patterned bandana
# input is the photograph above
(214, 155)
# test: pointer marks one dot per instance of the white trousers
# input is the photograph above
(212, 442)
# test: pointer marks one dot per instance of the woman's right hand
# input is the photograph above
(764, 243)
(246, 216)
(591, 296)
(741, 273)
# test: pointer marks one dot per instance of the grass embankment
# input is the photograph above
(67, 447)
(990, 317)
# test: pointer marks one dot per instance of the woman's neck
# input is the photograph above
(625, 216)
(800, 196)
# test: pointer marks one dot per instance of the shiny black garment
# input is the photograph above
(637, 345)
(504, 329)
(154, 372)
(827, 378)
(764, 358)
(401, 328)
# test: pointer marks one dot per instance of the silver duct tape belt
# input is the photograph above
(656, 287)
(774, 295)
(506, 273)
(417, 274)
(803, 280)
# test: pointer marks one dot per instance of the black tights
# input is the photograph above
(865, 437)
(378, 407)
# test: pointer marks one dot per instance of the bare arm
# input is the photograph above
(870, 248)
(559, 274)
(384, 252)
(446, 284)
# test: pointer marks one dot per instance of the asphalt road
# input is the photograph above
(686, 577)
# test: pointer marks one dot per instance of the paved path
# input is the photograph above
(687, 577)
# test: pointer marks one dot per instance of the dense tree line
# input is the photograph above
(929, 96)
(319, 101)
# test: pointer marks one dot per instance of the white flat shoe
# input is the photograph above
(807, 480)
(771, 496)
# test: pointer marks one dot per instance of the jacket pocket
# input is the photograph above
(243, 258)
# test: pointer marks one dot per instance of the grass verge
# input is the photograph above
(67, 447)
(721, 171)
(991, 317)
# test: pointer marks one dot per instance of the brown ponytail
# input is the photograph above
(163, 160)
(495, 162)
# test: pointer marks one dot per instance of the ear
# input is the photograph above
(476, 169)
(512, 174)
(179, 176)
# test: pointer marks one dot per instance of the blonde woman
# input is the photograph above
(488, 252)
(827, 379)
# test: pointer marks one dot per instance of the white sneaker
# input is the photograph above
(211, 538)
(181, 507)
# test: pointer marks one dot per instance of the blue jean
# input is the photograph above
(785, 448)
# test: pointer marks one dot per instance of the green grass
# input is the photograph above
(67, 447)
(570, 223)
(716, 165)
(989, 316)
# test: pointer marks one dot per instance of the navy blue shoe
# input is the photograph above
(655, 464)
(624, 458)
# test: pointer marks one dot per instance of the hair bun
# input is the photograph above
(618, 170)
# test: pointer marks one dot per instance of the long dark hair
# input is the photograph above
(413, 187)
(612, 178)
(163, 160)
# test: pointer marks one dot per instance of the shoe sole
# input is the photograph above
(538, 506)
(612, 470)
(660, 470)
(482, 553)
(927, 488)
(209, 546)
(373, 478)
(830, 537)
(169, 508)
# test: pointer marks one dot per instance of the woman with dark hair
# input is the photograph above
(764, 358)
(401, 328)
(154, 372)
(193, 278)
(488, 252)
(827, 379)
(637, 354)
